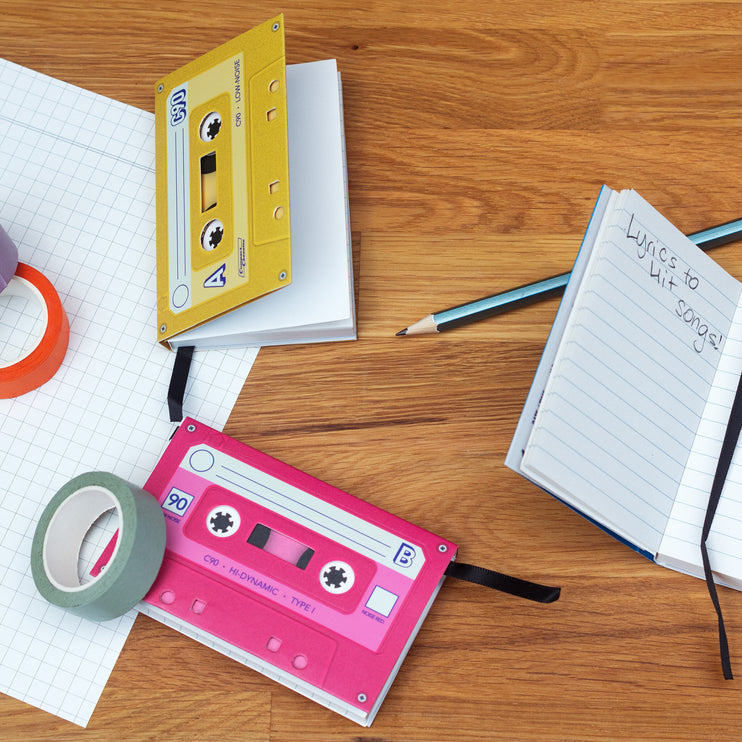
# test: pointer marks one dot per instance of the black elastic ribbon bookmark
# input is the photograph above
(504, 583)
(178, 380)
(731, 436)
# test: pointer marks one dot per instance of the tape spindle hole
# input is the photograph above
(337, 577)
(212, 234)
(223, 521)
(210, 126)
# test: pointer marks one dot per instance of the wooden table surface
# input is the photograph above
(478, 136)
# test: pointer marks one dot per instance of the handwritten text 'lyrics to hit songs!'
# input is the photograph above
(666, 270)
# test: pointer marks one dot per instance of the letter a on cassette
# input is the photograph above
(223, 221)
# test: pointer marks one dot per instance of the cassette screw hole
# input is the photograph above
(362, 698)
(160, 88)
(191, 428)
(282, 276)
(276, 26)
(443, 548)
(163, 328)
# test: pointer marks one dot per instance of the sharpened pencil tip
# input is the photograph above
(402, 332)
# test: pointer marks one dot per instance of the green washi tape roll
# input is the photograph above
(136, 558)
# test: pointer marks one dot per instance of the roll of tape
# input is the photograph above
(8, 258)
(137, 555)
(42, 361)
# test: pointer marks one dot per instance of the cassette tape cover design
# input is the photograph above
(223, 222)
(301, 581)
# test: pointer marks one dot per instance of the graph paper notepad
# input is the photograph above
(627, 413)
(77, 196)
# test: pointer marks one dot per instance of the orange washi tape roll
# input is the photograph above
(41, 362)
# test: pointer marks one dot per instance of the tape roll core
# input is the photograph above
(136, 559)
(69, 525)
(42, 361)
(24, 289)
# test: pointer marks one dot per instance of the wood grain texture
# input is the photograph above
(478, 137)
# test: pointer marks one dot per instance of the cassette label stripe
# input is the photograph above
(296, 504)
(179, 212)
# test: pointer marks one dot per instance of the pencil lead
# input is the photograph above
(402, 332)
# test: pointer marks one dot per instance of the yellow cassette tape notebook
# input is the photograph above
(223, 221)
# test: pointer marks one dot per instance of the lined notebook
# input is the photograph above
(627, 412)
(77, 188)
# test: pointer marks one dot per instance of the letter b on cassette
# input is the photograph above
(405, 555)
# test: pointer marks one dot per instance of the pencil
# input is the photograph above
(488, 306)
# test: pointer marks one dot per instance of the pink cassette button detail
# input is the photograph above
(300, 662)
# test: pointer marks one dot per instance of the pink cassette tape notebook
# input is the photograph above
(293, 577)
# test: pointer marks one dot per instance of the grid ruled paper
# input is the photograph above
(77, 197)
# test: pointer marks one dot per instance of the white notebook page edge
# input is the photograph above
(524, 427)
(680, 547)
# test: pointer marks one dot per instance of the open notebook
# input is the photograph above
(625, 418)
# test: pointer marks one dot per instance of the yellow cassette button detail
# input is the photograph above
(270, 194)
